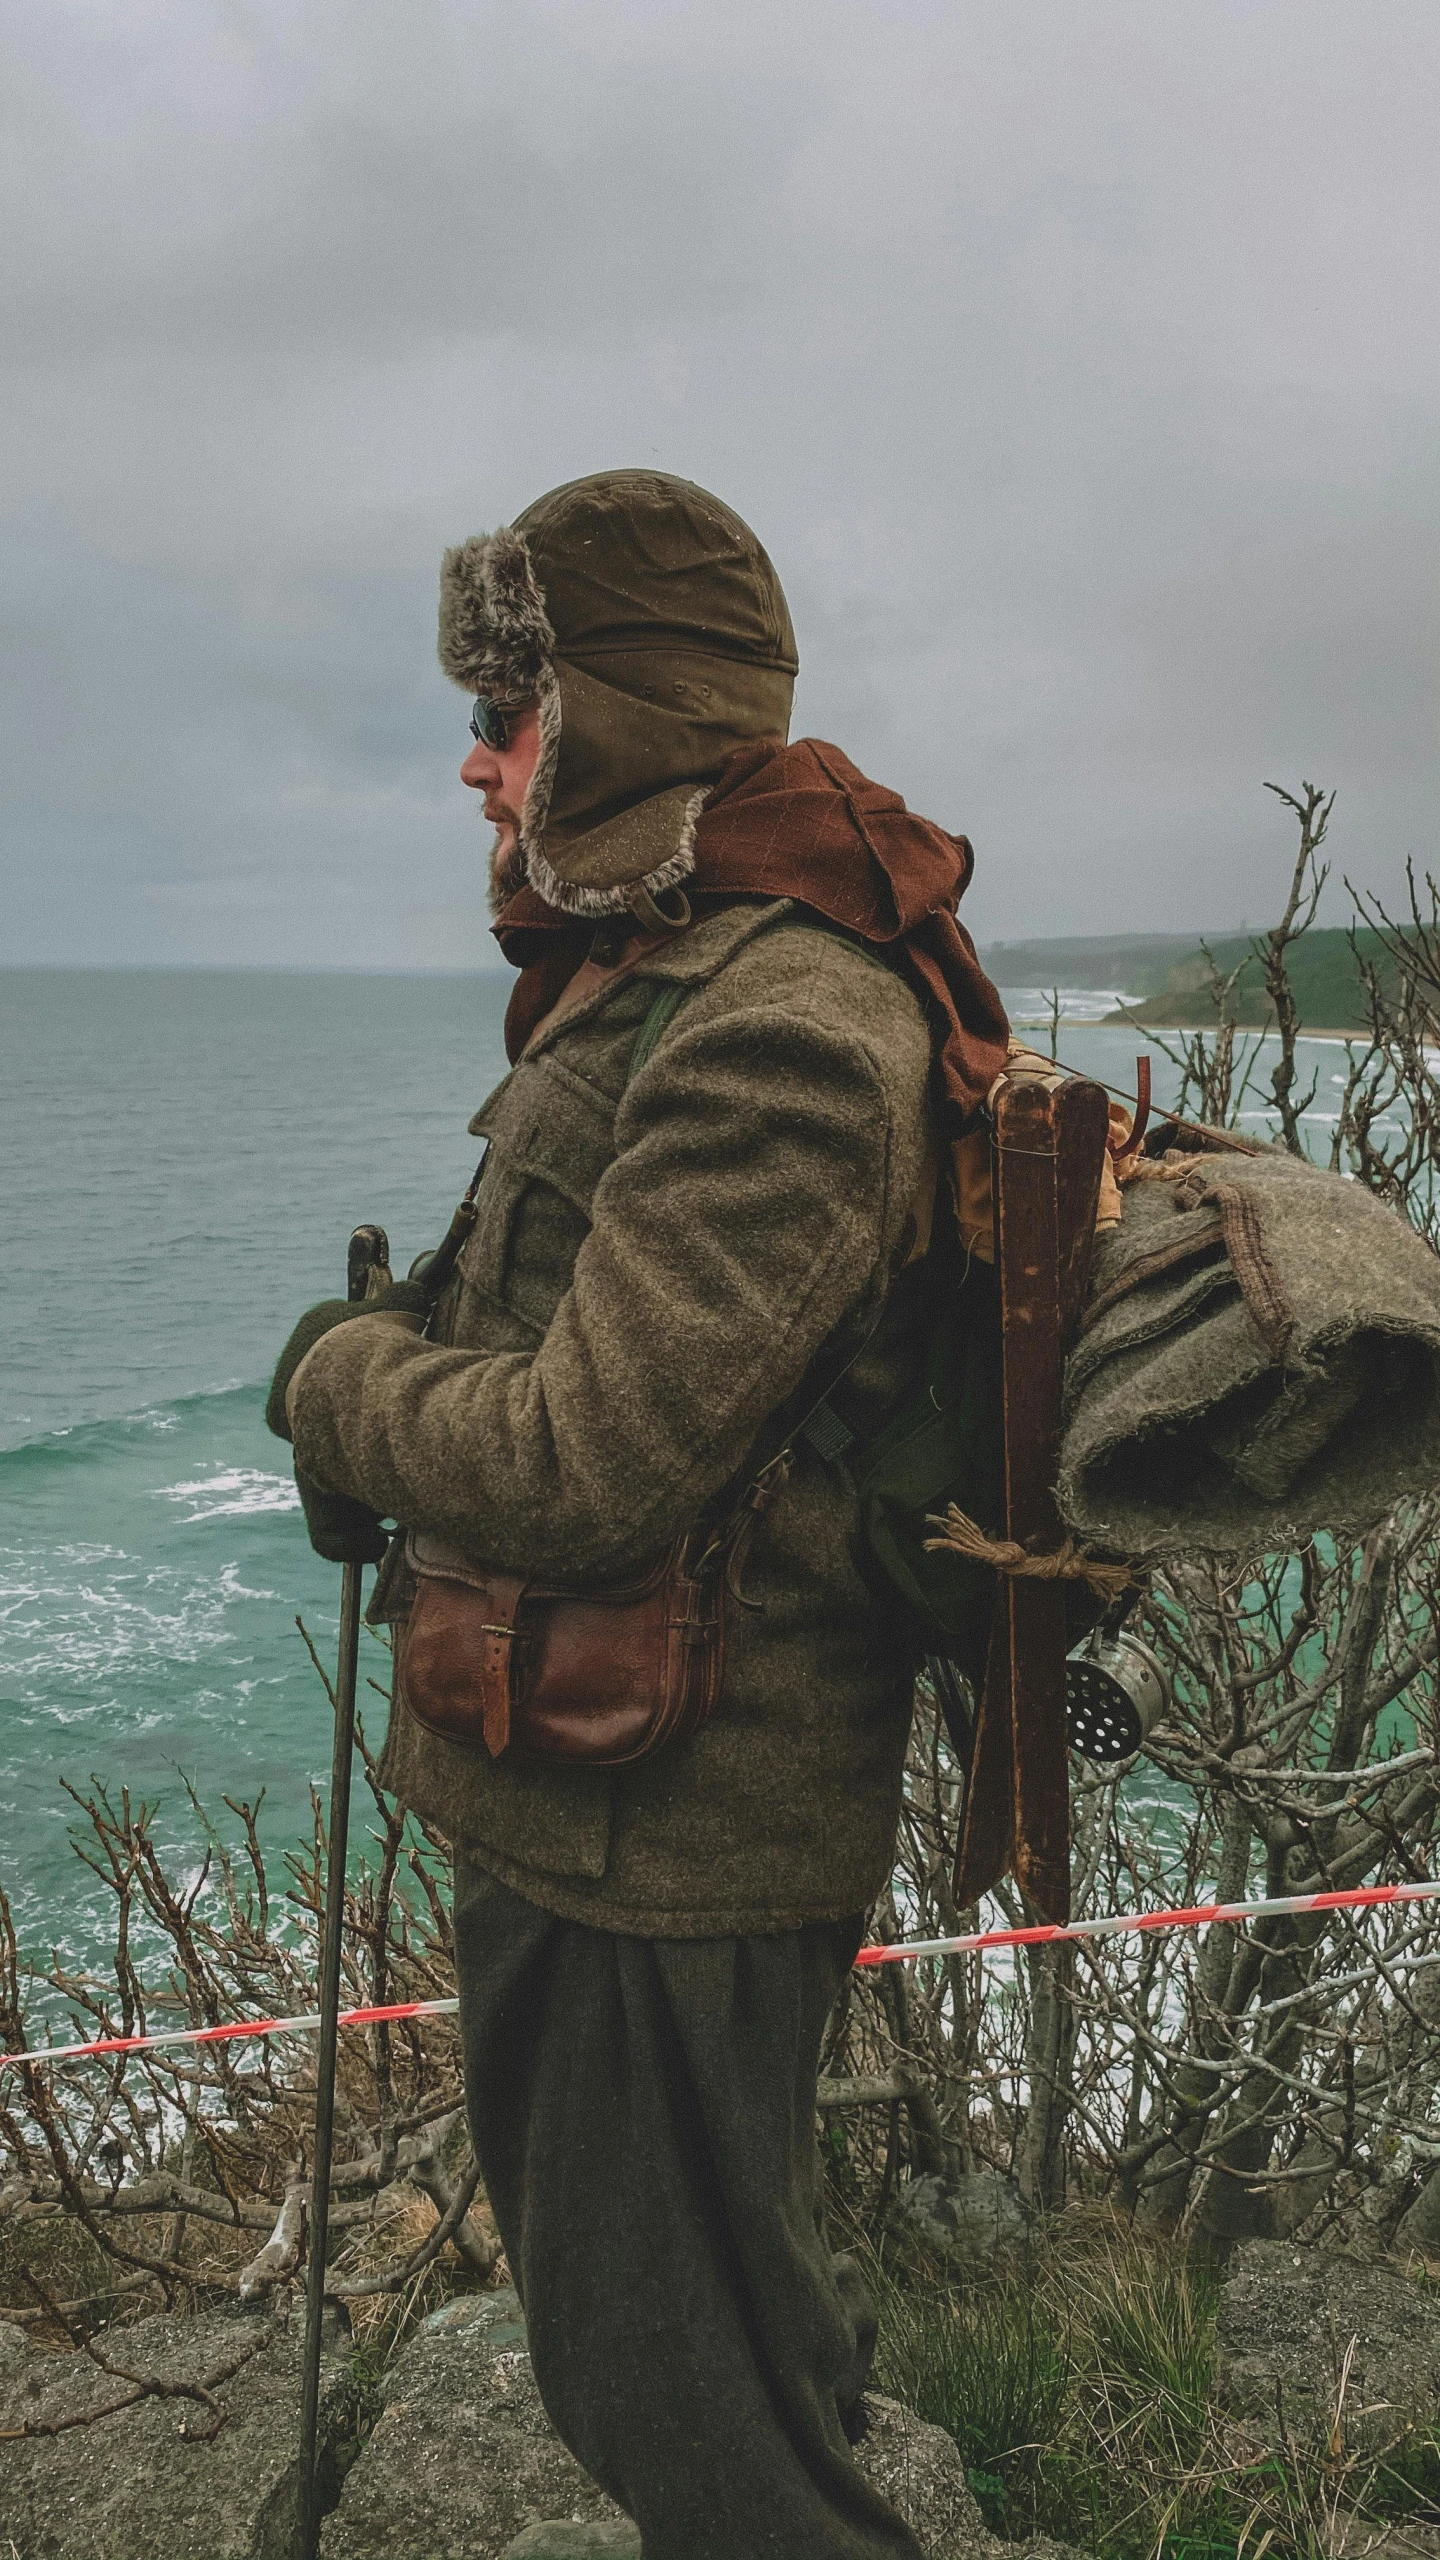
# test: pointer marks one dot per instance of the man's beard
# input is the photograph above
(507, 866)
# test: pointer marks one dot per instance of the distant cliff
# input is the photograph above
(1138, 963)
(1169, 976)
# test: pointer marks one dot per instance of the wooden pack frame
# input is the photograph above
(1048, 1135)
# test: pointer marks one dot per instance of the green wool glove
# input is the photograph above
(399, 1298)
(342, 1530)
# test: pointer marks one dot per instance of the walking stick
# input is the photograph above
(369, 1252)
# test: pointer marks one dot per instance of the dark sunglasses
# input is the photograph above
(490, 722)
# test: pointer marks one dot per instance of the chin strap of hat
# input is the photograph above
(667, 913)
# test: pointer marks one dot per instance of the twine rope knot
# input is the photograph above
(1065, 1563)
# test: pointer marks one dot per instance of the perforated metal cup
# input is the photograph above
(1116, 1693)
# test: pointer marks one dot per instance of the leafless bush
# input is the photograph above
(1216, 1071)
(1231, 2082)
(1391, 1087)
(185, 2170)
(1236, 2081)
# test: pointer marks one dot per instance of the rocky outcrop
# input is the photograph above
(144, 2483)
(464, 2464)
(463, 2457)
(1307, 2337)
(1362, 2539)
(575, 2542)
(962, 2222)
(918, 2468)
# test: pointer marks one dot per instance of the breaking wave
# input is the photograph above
(151, 1570)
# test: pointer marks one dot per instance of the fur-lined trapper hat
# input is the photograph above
(652, 626)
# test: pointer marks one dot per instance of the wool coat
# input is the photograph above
(667, 1254)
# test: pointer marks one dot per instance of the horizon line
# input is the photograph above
(247, 969)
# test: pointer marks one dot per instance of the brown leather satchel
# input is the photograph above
(589, 1676)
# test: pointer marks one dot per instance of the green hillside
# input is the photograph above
(1322, 973)
(1167, 972)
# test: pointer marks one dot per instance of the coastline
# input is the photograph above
(1122, 1022)
(1244, 1030)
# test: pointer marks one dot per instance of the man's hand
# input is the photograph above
(341, 1529)
(399, 1298)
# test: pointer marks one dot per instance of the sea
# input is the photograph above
(183, 1154)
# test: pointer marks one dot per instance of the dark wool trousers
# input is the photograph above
(644, 2116)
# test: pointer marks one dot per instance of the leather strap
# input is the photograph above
(503, 1592)
(1049, 1142)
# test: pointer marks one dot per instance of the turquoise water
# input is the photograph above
(183, 1156)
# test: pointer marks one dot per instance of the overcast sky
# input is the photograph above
(1076, 360)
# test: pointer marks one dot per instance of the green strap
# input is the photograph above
(666, 1005)
(825, 1431)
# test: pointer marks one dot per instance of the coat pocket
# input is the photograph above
(552, 1137)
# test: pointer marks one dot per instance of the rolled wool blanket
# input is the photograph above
(1258, 1358)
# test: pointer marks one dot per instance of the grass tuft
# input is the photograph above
(1077, 2381)
(990, 2367)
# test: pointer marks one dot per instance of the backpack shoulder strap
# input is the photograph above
(661, 1014)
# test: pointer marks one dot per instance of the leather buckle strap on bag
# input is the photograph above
(598, 1676)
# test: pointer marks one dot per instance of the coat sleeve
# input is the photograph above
(767, 1156)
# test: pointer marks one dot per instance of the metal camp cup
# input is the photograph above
(1116, 1693)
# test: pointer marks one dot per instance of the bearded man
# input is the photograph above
(745, 1021)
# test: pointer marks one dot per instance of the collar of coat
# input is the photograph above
(803, 822)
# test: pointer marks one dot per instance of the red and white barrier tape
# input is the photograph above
(1359, 1898)
(978, 1941)
(236, 2033)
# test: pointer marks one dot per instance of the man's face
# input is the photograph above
(504, 775)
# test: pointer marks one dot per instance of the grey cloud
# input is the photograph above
(368, 217)
(1077, 367)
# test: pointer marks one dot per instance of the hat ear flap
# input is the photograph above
(538, 791)
(495, 632)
